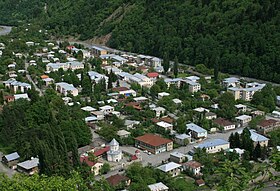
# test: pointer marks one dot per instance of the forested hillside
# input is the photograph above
(237, 36)
(44, 127)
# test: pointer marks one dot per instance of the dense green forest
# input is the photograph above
(237, 36)
(47, 128)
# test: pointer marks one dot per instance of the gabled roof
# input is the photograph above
(169, 166)
(29, 164)
(223, 122)
(153, 140)
(153, 75)
(85, 159)
(158, 187)
(12, 156)
(267, 123)
(195, 128)
(101, 151)
(193, 164)
(116, 179)
(212, 143)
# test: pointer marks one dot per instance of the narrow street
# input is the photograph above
(31, 80)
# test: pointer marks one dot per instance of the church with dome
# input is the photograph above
(114, 154)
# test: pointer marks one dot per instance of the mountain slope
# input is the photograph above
(237, 36)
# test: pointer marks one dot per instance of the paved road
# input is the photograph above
(157, 159)
(4, 169)
(31, 80)
(190, 70)
(4, 30)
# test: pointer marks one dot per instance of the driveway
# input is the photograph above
(4, 169)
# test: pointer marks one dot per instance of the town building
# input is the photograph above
(163, 94)
(156, 62)
(95, 167)
(177, 157)
(196, 131)
(21, 96)
(16, 86)
(231, 82)
(158, 187)
(165, 126)
(75, 65)
(98, 114)
(130, 124)
(268, 125)
(153, 75)
(246, 93)
(123, 133)
(107, 109)
(65, 89)
(173, 82)
(257, 113)
(243, 120)
(153, 143)
(224, 124)
(97, 78)
(193, 166)
(278, 100)
(11, 160)
(118, 179)
(159, 111)
(177, 101)
(114, 154)
(98, 51)
(182, 139)
(29, 167)
(214, 146)
(194, 86)
(172, 168)
(241, 108)
(210, 115)
(257, 138)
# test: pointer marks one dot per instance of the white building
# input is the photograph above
(159, 111)
(21, 96)
(163, 94)
(247, 93)
(53, 67)
(165, 126)
(114, 154)
(241, 108)
(243, 120)
(96, 77)
(214, 146)
(17, 86)
(231, 82)
(257, 138)
(196, 131)
(65, 88)
(141, 80)
(176, 82)
(193, 166)
(156, 62)
(194, 86)
(107, 109)
(172, 168)
(158, 187)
